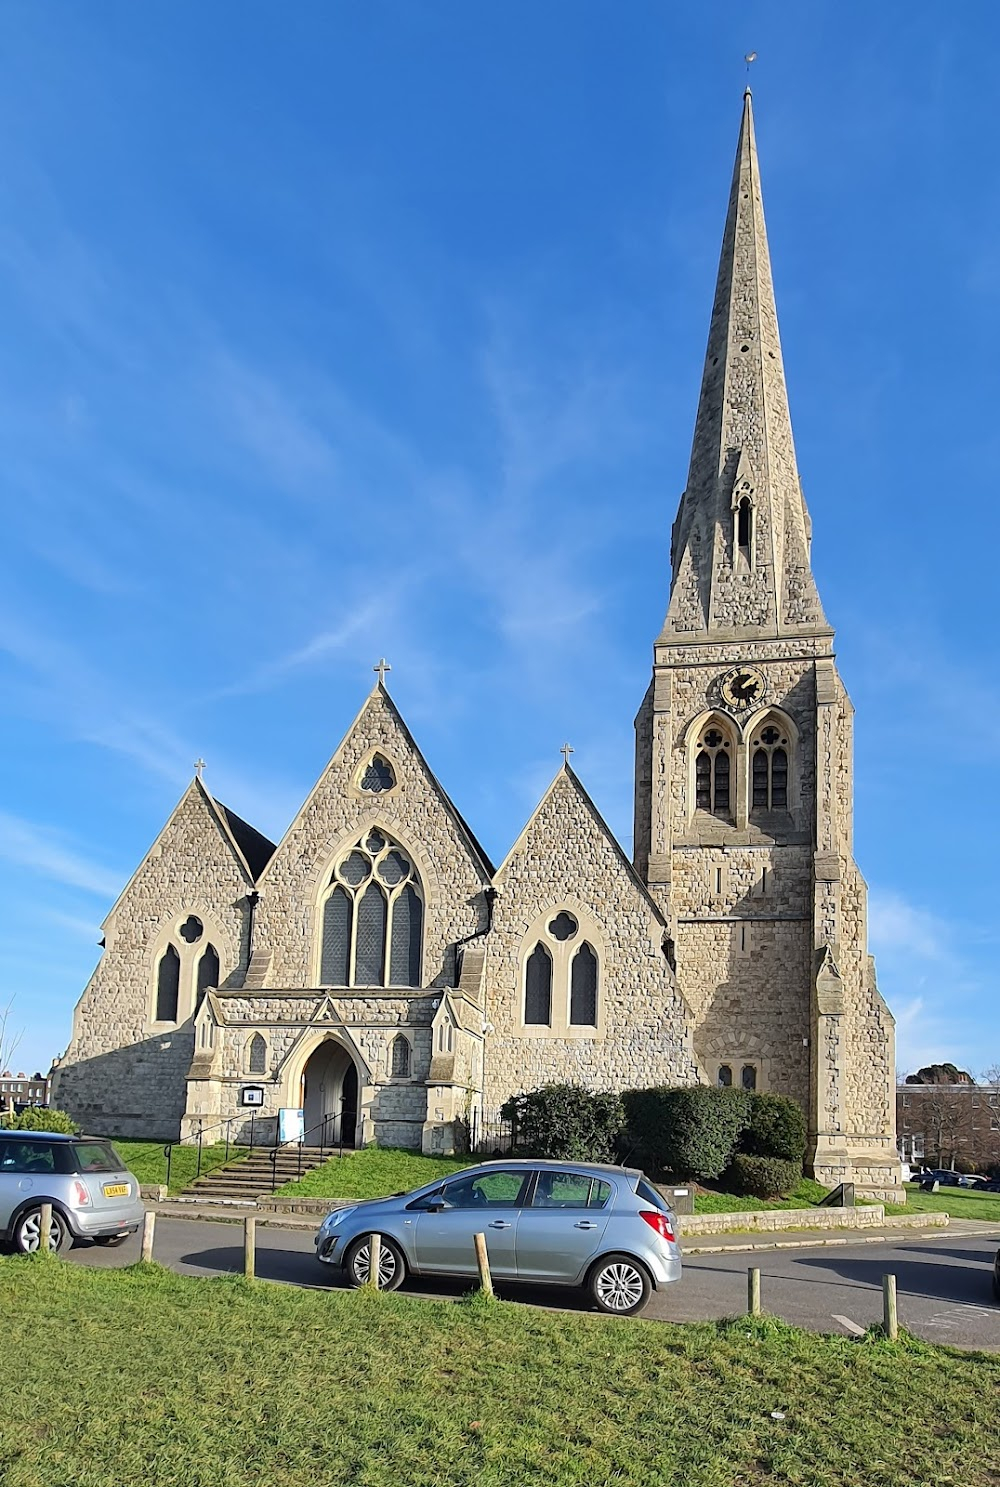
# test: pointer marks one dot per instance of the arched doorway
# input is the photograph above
(330, 1096)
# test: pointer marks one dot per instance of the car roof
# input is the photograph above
(543, 1164)
(43, 1135)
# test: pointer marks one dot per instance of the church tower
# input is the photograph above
(744, 793)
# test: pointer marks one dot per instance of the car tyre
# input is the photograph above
(392, 1266)
(27, 1232)
(110, 1241)
(619, 1285)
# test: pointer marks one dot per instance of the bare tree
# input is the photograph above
(991, 1074)
(9, 1041)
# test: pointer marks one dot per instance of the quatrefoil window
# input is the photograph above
(563, 926)
(192, 929)
(713, 738)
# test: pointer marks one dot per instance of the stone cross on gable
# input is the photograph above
(382, 667)
(199, 766)
(565, 751)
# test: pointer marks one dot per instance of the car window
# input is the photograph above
(648, 1194)
(95, 1156)
(486, 1190)
(26, 1156)
(600, 1194)
(561, 1190)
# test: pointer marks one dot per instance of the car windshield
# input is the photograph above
(95, 1156)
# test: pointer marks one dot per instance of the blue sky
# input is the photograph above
(333, 331)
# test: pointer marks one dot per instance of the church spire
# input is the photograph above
(740, 549)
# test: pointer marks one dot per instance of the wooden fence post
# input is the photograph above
(374, 1260)
(753, 1292)
(148, 1225)
(890, 1320)
(45, 1226)
(483, 1261)
(249, 1246)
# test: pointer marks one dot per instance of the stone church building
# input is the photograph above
(377, 970)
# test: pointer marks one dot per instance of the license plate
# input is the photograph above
(116, 1190)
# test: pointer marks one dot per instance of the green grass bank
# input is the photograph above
(142, 1375)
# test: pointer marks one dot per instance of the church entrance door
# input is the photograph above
(330, 1097)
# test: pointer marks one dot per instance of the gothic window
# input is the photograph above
(377, 776)
(583, 988)
(257, 1055)
(208, 973)
(713, 772)
(725, 1079)
(769, 748)
(168, 982)
(744, 529)
(401, 1061)
(538, 987)
(372, 917)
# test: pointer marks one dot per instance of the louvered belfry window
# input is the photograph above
(712, 772)
(372, 917)
(769, 747)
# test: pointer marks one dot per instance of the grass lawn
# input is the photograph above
(140, 1375)
(805, 1195)
(374, 1172)
(959, 1203)
(147, 1161)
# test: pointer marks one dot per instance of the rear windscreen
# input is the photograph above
(648, 1194)
(95, 1156)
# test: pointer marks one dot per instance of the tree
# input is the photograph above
(9, 1039)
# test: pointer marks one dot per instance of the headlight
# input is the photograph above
(333, 1219)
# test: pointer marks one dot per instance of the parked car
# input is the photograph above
(996, 1277)
(993, 1186)
(943, 1176)
(92, 1193)
(552, 1223)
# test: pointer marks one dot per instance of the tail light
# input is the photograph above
(658, 1221)
(81, 1195)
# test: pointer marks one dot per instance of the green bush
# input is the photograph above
(38, 1118)
(690, 1132)
(566, 1121)
(777, 1129)
(764, 1177)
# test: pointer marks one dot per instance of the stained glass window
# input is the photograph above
(257, 1061)
(378, 776)
(168, 982)
(538, 987)
(583, 988)
(335, 954)
(369, 953)
(208, 971)
(393, 869)
(355, 869)
(407, 922)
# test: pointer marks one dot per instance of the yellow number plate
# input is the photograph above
(116, 1190)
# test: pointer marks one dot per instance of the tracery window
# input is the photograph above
(168, 984)
(713, 782)
(401, 1057)
(372, 917)
(257, 1055)
(208, 973)
(769, 748)
(583, 988)
(561, 976)
(377, 776)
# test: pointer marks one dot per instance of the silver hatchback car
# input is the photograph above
(553, 1223)
(93, 1195)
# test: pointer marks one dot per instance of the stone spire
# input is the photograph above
(740, 548)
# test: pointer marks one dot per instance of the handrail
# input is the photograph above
(299, 1141)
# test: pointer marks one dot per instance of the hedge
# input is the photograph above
(691, 1132)
(777, 1128)
(566, 1122)
(40, 1118)
(764, 1177)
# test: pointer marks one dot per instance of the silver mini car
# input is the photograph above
(552, 1223)
(92, 1194)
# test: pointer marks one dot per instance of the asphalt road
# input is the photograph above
(944, 1285)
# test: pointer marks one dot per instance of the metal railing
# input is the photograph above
(331, 1128)
(228, 1144)
(489, 1135)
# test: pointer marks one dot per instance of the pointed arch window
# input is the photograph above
(371, 923)
(538, 987)
(401, 1057)
(769, 750)
(257, 1055)
(208, 973)
(583, 988)
(744, 531)
(168, 984)
(713, 771)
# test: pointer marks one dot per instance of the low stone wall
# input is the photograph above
(771, 1220)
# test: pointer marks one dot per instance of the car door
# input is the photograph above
(564, 1226)
(487, 1202)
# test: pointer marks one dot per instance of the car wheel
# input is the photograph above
(619, 1285)
(110, 1241)
(391, 1267)
(28, 1232)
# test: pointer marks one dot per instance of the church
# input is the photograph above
(378, 972)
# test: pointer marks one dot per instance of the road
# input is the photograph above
(944, 1284)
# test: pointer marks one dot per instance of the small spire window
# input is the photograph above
(743, 533)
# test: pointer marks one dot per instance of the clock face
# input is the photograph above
(743, 688)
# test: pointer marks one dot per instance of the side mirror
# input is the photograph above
(437, 1206)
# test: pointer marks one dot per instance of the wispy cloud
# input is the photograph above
(45, 851)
